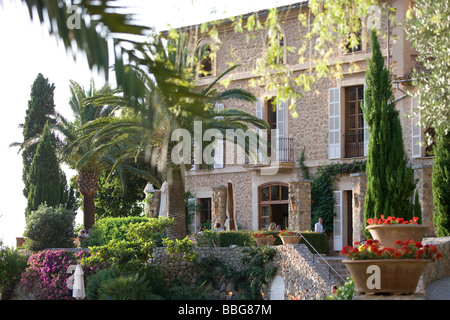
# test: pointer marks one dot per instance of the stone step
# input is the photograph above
(336, 263)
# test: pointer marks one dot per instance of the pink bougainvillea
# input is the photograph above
(46, 273)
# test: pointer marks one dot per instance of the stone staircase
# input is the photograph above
(335, 262)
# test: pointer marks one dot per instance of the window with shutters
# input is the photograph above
(207, 64)
(420, 135)
(271, 120)
(334, 123)
(355, 47)
(276, 115)
(219, 157)
(205, 210)
(354, 122)
(280, 52)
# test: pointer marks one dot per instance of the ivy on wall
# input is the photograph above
(323, 185)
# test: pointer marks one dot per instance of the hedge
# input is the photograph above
(107, 229)
(246, 238)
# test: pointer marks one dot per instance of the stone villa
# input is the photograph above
(329, 128)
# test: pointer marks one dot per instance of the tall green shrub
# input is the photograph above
(390, 183)
(12, 265)
(108, 229)
(44, 176)
(441, 185)
(131, 254)
(50, 227)
(40, 110)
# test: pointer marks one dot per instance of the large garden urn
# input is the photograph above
(387, 270)
(290, 239)
(387, 235)
(265, 241)
(390, 276)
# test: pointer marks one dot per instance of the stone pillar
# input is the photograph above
(154, 210)
(423, 175)
(359, 194)
(299, 205)
(219, 206)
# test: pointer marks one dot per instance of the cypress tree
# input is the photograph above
(40, 109)
(441, 185)
(44, 176)
(390, 183)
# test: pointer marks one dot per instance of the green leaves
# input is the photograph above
(428, 29)
(88, 26)
(132, 253)
(390, 183)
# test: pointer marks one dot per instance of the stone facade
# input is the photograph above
(309, 132)
(300, 205)
(358, 192)
(219, 205)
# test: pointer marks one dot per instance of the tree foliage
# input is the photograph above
(132, 253)
(41, 110)
(116, 198)
(45, 180)
(428, 29)
(390, 182)
(166, 73)
(50, 227)
(441, 186)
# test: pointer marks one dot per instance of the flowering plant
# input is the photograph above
(47, 273)
(258, 235)
(373, 250)
(288, 233)
(391, 220)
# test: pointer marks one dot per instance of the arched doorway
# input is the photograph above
(273, 204)
(277, 288)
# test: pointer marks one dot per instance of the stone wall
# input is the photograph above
(304, 276)
(188, 272)
(439, 269)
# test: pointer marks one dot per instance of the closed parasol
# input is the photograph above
(78, 283)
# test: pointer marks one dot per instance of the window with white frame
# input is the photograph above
(348, 134)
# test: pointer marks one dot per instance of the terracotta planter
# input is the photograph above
(290, 239)
(388, 234)
(265, 241)
(396, 276)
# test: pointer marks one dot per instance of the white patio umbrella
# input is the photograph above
(78, 283)
(163, 201)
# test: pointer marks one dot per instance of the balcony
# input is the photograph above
(283, 158)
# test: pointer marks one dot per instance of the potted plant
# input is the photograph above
(264, 239)
(289, 237)
(378, 269)
(388, 231)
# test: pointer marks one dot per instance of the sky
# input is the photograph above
(26, 49)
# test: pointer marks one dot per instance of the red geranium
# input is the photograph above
(391, 220)
(373, 250)
(258, 235)
(287, 233)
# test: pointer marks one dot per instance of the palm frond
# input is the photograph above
(98, 21)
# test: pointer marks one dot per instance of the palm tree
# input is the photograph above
(166, 74)
(69, 131)
(87, 176)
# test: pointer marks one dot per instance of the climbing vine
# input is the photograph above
(323, 185)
